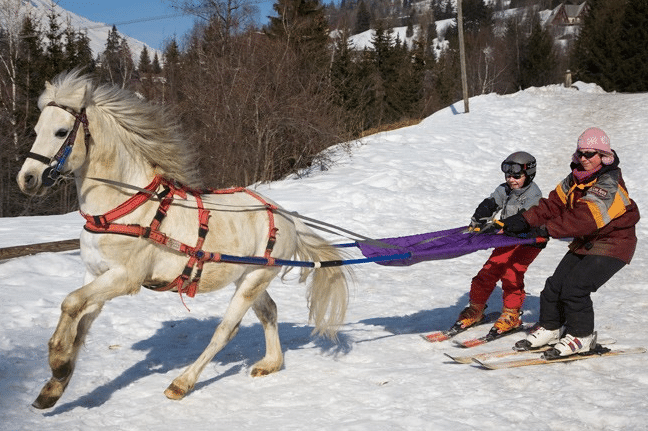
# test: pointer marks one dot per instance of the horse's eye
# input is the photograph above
(61, 133)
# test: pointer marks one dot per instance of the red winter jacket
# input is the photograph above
(598, 214)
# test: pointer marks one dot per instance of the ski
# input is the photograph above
(491, 336)
(598, 352)
(498, 354)
(438, 336)
(485, 356)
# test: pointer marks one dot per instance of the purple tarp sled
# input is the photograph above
(445, 244)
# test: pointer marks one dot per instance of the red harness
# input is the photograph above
(197, 256)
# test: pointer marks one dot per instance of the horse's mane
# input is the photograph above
(145, 128)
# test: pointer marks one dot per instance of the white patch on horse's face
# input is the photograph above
(53, 127)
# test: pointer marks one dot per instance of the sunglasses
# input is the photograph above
(587, 154)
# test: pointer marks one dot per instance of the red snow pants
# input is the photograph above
(509, 265)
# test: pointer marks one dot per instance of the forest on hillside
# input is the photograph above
(263, 102)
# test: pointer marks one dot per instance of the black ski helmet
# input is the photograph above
(520, 162)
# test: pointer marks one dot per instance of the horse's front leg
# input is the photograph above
(78, 310)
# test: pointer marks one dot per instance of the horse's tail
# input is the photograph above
(328, 290)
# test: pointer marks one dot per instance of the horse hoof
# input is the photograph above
(259, 372)
(50, 393)
(44, 402)
(174, 392)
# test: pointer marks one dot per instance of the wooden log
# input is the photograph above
(26, 250)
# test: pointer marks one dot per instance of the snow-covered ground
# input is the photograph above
(382, 376)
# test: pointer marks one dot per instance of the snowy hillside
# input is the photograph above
(382, 376)
(97, 32)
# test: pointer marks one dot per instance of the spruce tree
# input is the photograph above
(303, 26)
(144, 65)
(84, 53)
(363, 18)
(54, 57)
(632, 73)
(109, 58)
(171, 72)
(538, 60)
(29, 66)
(596, 54)
(350, 84)
(156, 69)
(476, 15)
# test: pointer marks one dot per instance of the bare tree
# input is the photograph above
(11, 14)
(229, 16)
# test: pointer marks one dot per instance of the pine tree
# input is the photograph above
(84, 53)
(411, 19)
(633, 48)
(596, 53)
(126, 64)
(54, 58)
(171, 72)
(30, 65)
(350, 84)
(109, 58)
(303, 26)
(116, 61)
(476, 15)
(70, 51)
(144, 66)
(156, 69)
(363, 18)
(538, 61)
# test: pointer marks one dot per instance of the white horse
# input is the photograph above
(127, 143)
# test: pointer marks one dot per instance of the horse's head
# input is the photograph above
(62, 135)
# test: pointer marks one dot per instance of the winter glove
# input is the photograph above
(476, 225)
(535, 232)
(515, 225)
(485, 210)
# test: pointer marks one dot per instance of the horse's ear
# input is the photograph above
(79, 98)
(87, 95)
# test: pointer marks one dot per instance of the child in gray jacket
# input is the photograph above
(508, 264)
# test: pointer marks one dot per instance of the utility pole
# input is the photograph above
(462, 56)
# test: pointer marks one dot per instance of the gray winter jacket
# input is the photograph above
(512, 201)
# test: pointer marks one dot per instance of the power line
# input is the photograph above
(138, 20)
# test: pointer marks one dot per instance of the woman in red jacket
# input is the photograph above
(593, 207)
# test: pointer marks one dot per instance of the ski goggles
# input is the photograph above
(513, 168)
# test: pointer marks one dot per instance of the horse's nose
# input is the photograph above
(28, 182)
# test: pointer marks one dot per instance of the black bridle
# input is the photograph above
(52, 173)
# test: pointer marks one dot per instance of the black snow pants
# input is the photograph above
(565, 299)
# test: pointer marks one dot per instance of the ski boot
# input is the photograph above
(570, 345)
(538, 337)
(470, 316)
(508, 320)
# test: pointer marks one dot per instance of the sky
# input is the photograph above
(382, 376)
(151, 22)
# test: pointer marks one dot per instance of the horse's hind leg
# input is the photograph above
(249, 288)
(266, 310)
